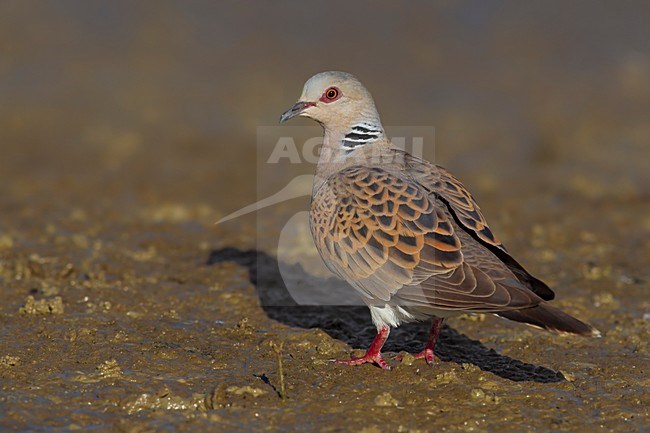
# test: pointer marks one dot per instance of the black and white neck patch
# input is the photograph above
(360, 135)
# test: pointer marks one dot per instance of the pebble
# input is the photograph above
(9, 361)
(385, 400)
(241, 390)
(42, 306)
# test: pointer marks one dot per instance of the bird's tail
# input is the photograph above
(552, 319)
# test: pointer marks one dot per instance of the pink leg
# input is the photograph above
(373, 354)
(427, 352)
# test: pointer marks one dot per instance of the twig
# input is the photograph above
(278, 350)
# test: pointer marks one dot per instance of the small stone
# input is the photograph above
(43, 306)
(326, 345)
(568, 376)
(244, 326)
(484, 397)
(143, 255)
(470, 367)
(109, 369)
(9, 361)
(591, 271)
(385, 400)
(605, 299)
(407, 358)
(478, 394)
(447, 377)
(242, 390)
(135, 403)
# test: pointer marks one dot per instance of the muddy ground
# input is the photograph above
(125, 308)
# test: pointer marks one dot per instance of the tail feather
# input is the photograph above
(552, 319)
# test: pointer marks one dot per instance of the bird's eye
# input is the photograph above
(331, 94)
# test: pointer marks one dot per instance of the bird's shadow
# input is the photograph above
(352, 324)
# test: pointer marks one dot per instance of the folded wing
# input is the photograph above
(466, 212)
(392, 239)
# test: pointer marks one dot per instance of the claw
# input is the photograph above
(373, 355)
(367, 358)
(427, 353)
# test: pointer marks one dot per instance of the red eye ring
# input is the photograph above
(331, 95)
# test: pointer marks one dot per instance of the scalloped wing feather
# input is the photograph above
(392, 240)
(468, 213)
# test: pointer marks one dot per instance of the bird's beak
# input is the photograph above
(297, 109)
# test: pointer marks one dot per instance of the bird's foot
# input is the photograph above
(426, 354)
(372, 358)
(373, 354)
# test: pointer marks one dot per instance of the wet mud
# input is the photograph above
(150, 328)
(125, 308)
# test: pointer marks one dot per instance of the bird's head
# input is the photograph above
(336, 100)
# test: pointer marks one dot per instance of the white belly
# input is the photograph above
(394, 315)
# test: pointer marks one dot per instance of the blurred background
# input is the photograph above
(132, 104)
